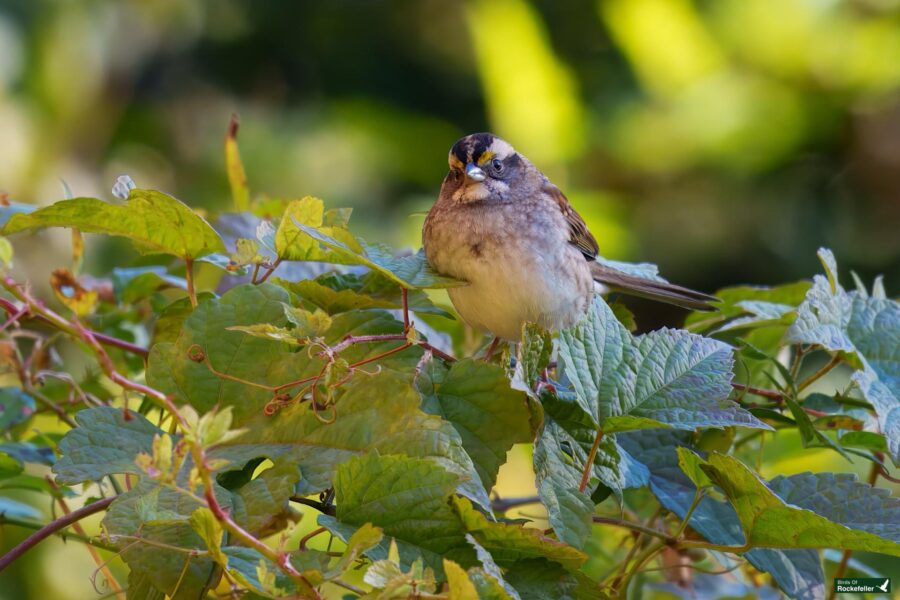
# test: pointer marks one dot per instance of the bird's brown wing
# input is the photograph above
(578, 231)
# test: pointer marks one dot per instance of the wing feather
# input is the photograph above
(579, 235)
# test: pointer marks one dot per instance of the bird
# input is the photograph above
(526, 255)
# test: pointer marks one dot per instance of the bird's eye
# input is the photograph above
(498, 166)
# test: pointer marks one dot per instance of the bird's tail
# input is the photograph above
(660, 291)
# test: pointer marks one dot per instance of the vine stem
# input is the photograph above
(773, 394)
(835, 361)
(104, 339)
(269, 271)
(281, 559)
(189, 276)
(25, 524)
(53, 527)
(98, 560)
(635, 527)
(589, 463)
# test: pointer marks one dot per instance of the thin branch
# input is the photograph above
(65, 535)
(327, 509)
(635, 527)
(589, 463)
(53, 527)
(95, 556)
(840, 570)
(835, 361)
(104, 339)
(269, 271)
(501, 505)
(404, 301)
(773, 394)
(189, 276)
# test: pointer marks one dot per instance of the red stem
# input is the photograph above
(49, 529)
(269, 271)
(104, 339)
(773, 394)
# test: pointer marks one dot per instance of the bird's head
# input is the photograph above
(481, 166)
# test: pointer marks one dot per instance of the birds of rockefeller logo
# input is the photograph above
(862, 585)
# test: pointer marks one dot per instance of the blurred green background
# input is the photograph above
(724, 140)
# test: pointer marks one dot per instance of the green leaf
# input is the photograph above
(411, 271)
(379, 412)
(204, 523)
(291, 241)
(842, 498)
(558, 478)
(887, 407)
(258, 573)
(769, 521)
(246, 360)
(750, 306)
(458, 582)
(9, 466)
(668, 376)
(15, 407)
(160, 515)
(797, 572)
(104, 443)
(532, 357)
(156, 222)
(690, 465)
(408, 498)
(171, 370)
(540, 579)
(18, 510)
(262, 505)
(810, 437)
(489, 578)
(509, 543)
(137, 283)
(6, 252)
(476, 398)
(336, 293)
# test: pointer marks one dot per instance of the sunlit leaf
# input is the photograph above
(156, 222)
(476, 398)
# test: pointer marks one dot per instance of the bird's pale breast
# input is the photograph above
(519, 264)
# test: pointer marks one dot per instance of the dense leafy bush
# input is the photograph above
(332, 395)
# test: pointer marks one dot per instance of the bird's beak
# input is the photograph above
(474, 172)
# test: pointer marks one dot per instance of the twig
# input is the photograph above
(589, 463)
(635, 527)
(502, 505)
(840, 570)
(322, 507)
(65, 535)
(835, 361)
(773, 394)
(356, 590)
(269, 271)
(53, 527)
(302, 545)
(104, 339)
(98, 560)
(189, 276)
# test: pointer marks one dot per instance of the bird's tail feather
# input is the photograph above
(654, 290)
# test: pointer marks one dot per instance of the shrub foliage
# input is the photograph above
(224, 404)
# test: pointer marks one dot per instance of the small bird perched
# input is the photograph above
(502, 226)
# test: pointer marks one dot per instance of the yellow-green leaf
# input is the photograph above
(237, 178)
(156, 222)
